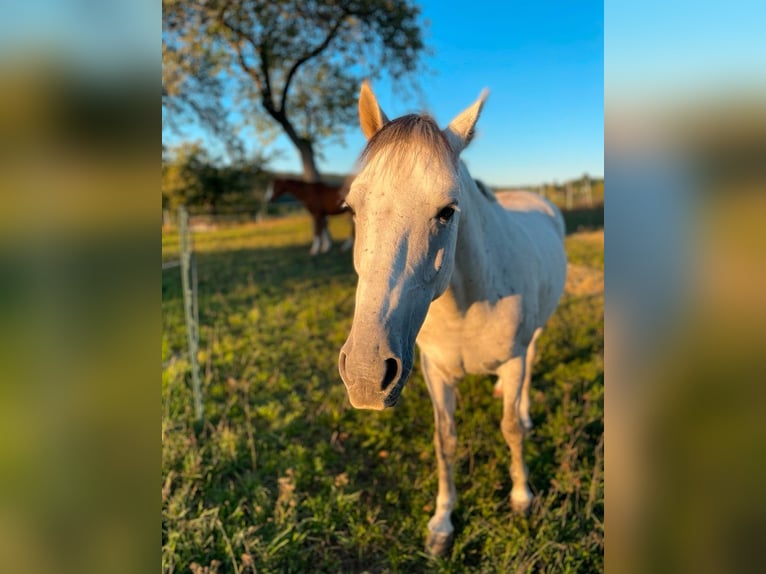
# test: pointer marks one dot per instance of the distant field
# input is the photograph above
(286, 477)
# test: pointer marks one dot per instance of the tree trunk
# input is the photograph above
(304, 147)
(310, 171)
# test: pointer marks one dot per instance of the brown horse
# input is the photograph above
(321, 200)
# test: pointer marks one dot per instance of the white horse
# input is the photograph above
(442, 262)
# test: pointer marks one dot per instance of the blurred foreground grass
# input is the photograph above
(286, 477)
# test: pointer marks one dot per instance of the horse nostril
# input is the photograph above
(392, 369)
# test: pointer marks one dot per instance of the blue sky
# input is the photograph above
(683, 51)
(543, 64)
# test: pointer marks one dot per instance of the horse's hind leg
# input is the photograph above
(526, 421)
(440, 529)
(512, 376)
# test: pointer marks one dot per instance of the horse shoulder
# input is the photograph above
(472, 336)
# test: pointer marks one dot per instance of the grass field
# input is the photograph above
(284, 476)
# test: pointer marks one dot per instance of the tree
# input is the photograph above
(298, 63)
(181, 181)
(191, 177)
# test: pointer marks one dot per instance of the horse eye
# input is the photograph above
(446, 213)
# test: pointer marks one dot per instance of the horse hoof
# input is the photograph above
(439, 543)
(519, 508)
(521, 503)
(526, 423)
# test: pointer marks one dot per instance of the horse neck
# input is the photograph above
(472, 274)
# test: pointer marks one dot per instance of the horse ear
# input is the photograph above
(460, 131)
(371, 117)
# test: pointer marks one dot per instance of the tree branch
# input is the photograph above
(312, 54)
(263, 49)
(263, 81)
(246, 67)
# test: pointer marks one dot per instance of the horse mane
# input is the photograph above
(485, 191)
(398, 138)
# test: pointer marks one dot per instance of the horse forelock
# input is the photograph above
(406, 139)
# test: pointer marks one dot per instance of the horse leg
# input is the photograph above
(526, 421)
(440, 529)
(317, 235)
(512, 376)
(349, 243)
(326, 239)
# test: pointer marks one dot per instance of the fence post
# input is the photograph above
(189, 288)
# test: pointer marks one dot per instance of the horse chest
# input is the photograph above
(477, 340)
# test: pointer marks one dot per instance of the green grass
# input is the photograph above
(586, 248)
(284, 476)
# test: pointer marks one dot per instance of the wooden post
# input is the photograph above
(189, 288)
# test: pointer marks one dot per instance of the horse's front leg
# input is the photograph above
(318, 226)
(325, 241)
(442, 391)
(511, 376)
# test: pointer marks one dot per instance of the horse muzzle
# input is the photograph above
(372, 382)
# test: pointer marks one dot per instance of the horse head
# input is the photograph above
(406, 203)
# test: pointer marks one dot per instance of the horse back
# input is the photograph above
(318, 197)
(525, 201)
